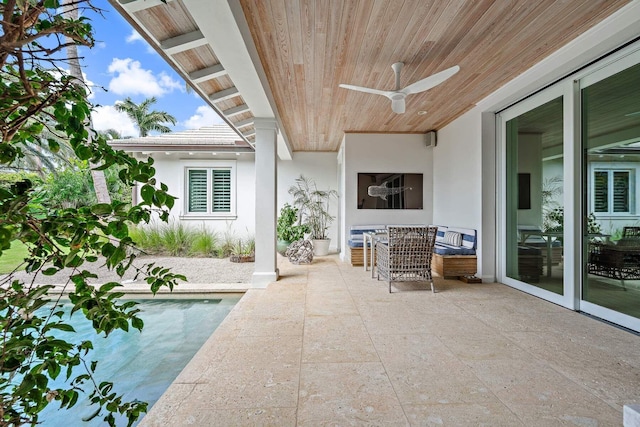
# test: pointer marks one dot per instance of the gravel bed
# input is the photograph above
(197, 271)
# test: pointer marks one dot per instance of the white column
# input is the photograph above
(266, 270)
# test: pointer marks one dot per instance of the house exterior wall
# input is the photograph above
(322, 167)
(170, 169)
(381, 153)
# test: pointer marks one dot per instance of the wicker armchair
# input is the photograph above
(406, 256)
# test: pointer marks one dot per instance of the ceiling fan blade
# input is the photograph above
(366, 90)
(431, 81)
(397, 105)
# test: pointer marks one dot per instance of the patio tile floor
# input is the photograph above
(328, 345)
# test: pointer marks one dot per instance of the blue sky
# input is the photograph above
(122, 65)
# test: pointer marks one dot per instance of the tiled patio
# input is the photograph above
(327, 345)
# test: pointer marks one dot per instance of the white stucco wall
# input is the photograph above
(457, 184)
(323, 169)
(382, 153)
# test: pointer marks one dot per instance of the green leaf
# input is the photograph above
(53, 145)
(147, 192)
(50, 271)
(62, 326)
(109, 286)
(83, 152)
(137, 323)
(101, 209)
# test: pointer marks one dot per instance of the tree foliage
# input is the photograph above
(39, 98)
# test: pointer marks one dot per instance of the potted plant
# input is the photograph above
(313, 205)
(243, 251)
(287, 229)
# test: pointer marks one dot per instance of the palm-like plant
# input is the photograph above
(143, 118)
(313, 205)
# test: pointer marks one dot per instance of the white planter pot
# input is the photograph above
(321, 247)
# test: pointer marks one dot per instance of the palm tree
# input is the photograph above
(70, 11)
(143, 118)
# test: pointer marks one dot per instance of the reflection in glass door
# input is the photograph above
(534, 211)
(611, 177)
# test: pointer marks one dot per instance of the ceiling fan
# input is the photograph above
(398, 95)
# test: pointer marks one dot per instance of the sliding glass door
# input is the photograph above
(569, 213)
(533, 209)
(610, 103)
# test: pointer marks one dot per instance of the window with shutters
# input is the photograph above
(210, 191)
(612, 191)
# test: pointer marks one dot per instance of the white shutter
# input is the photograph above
(601, 191)
(221, 185)
(197, 191)
(621, 191)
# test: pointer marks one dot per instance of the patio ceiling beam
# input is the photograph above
(249, 133)
(224, 94)
(236, 110)
(208, 73)
(183, 42)
(133, 6)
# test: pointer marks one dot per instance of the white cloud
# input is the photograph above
(134, 37)
(204, 116)
(131, 79)
(107, 117)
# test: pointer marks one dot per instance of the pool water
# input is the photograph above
(143, 364)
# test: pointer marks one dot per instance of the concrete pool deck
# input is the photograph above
(328, 345)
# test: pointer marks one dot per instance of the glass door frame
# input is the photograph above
(571, 197)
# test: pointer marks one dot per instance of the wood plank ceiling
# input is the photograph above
(308, 47)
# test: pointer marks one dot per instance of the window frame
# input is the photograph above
(611, 170)
(209, 167)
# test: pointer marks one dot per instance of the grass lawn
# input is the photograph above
(12, 257)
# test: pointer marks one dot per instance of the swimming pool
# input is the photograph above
(143, 364)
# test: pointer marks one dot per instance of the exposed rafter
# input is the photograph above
(183, 42)
(243, 123)
(224, 94)
(133, 6)
(208, 73)
(236, 110)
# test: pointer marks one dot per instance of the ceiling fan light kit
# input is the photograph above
(398, 95)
